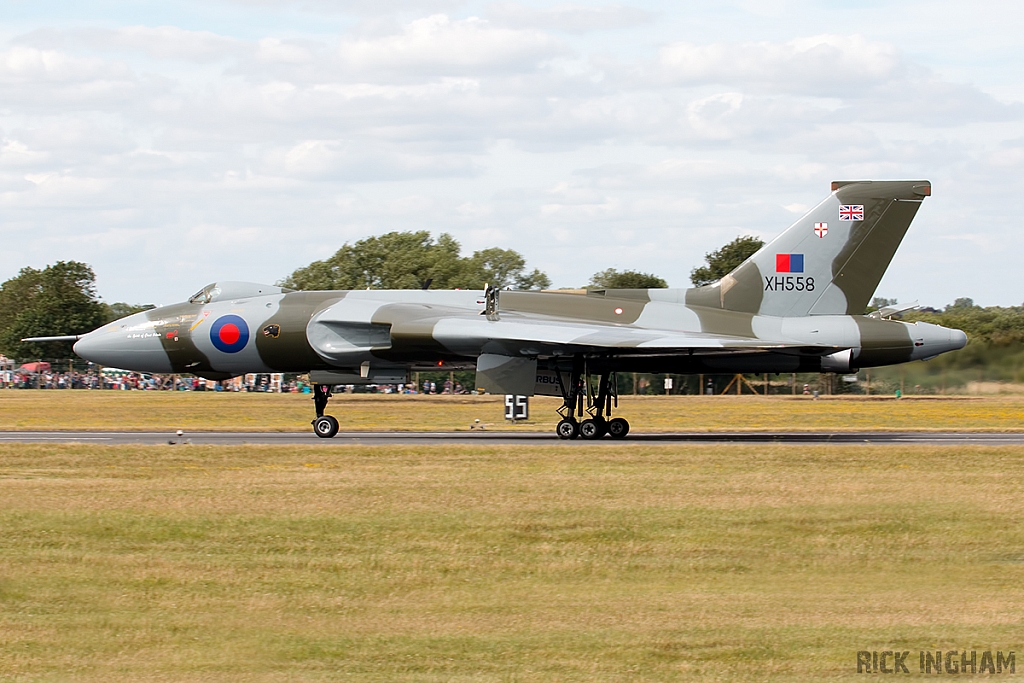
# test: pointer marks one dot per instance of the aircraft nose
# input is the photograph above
(99, 348)
(117, 349)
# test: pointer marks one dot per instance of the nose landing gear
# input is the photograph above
(581, 398)
(324, 426)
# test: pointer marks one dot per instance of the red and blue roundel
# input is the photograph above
(229, 334)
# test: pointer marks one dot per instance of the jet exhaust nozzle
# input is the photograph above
(840, 361)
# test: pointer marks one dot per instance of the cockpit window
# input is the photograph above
(205, 295)
(233, 290)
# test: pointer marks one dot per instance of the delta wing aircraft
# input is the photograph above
(795, 306)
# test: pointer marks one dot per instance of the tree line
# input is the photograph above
(414, 260)
(58, 300)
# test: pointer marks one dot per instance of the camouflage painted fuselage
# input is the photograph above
(792, 307)
(395, 331)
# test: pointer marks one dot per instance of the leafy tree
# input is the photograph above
(409, 260)
(58, 300)
(995, 350)
(627, 279)
(397, 260)
(502, 268)
(723, 261)
(991, 325)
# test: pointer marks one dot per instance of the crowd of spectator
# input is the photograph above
(125, 381)
(427, 387)
(15, 379)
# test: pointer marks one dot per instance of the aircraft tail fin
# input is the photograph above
(827, 263)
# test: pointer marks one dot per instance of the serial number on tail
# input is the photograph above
(788, 283)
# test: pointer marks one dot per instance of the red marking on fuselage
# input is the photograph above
(229, 334)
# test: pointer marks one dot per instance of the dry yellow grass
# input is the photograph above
(115, 410)
(458, 563)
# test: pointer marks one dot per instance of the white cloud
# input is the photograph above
(26, 65)
(275, 50)
(524, 130)
(439, 45)
(862, 79)
(567, 18)
(160, 42)
(167, 43)
(828, 64)
(14, 153)
(46, 80)
(360, 162)
(356, 7)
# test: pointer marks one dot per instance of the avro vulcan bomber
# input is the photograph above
(797, 305)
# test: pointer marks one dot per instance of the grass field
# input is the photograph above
(201, 411)
(460, 563)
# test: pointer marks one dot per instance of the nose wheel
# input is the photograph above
(324, 426)
(592, 405)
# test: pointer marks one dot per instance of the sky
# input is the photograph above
(170, 145)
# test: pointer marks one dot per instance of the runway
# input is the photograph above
(509, 438)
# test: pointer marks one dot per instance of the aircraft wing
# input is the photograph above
(538, 336)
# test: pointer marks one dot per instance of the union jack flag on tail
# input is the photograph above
(851, 212)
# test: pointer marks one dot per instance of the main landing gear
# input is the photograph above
(580, 397)
(324, 426)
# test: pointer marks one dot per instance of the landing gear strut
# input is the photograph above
(324, 426)
(580, 397)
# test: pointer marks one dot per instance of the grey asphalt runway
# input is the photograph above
(505, 438)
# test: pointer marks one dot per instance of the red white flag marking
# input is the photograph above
(851, 212)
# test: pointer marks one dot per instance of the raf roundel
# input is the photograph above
(229, 334)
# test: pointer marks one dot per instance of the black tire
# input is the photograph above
(325, 427)
(567, 429)
(591, 429)
(618, 428)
